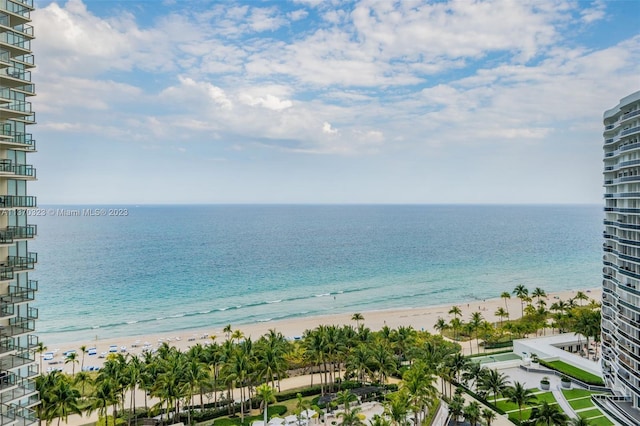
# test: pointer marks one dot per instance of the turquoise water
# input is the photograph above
(171, 268)
(495, 358)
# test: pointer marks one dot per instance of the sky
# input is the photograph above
(314, 102)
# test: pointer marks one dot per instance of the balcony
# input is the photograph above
(15, 43)
(17, 170)
(11, 233)
(23, 388)
(629, 131)
(17, 111)
(18, 326)
(20, 141)
(22, 263)
(17, 201)
(17, 295)
(14, 361)
(14, 77)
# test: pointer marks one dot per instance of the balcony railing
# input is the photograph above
(628, 131)
(16, 40)
(18, 295)
(17, 326)
(17, 73)
(22, 263)
(11, 233)
(7, 311)
(14, 361)
(26, 170)
(12, 201)
(18, 107)
(22, 389)
(17, 7)
(25, 139)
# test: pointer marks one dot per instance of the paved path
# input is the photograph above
(562, 402)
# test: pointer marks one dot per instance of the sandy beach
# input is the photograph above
(419, 318)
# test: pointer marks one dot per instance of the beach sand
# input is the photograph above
(419, 318)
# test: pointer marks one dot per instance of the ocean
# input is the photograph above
(156, 269)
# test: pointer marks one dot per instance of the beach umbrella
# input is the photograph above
(276, 421)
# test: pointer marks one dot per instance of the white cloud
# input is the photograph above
(595, 13)
(328, 129)
(297, 15)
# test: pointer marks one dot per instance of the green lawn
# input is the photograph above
(575, 372)
(577, 393)
(512, 409)
(580, 403)
(601, 421)
(590, 413)
(546, 396)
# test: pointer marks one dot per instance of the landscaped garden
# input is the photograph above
(580, 401)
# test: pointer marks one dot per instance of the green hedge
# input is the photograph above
(479, 398)
(285, 396)
(574, 372)
(496, 345)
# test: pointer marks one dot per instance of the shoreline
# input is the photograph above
(420, 318)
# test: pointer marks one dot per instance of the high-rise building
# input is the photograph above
(18, 364)
(621, 260)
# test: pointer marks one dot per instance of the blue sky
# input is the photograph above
(310, 101)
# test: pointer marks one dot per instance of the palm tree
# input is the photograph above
(418, 383)
(456, 408)
(82, 378)
(456, 325)
(521, 293)
(538, 293)
(581, 297)
(397, 408)
(488, 415)
(472, 412)
(41, 349)
(266, 395)
(493, 381)
(474, 373)
(83, 349)
(476, 320)
(520, 396)
(501, 313)
(383, 362)
(505, 295)
(440, 325)
(455, 311)
(301, 406)
(359, 361)
(458, 363)
(65, 400)
(345, 398)
(103, 396)
(351, 417)
(548, 414)
(73, 359)
(378, 420)
(227, 330)
(357, 317)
